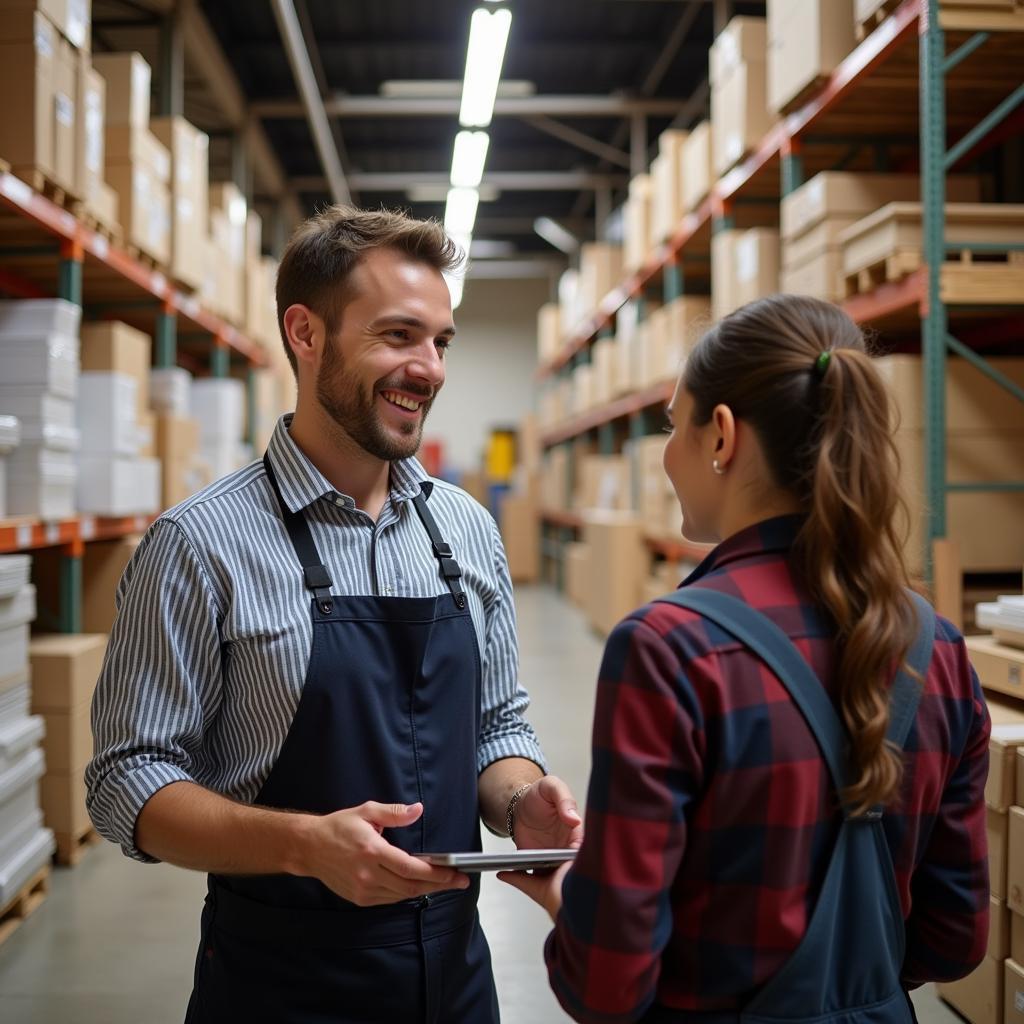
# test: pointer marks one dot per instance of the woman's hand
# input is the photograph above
(545, 889)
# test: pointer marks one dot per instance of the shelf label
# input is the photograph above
(159, 282)
(14, 188)
(100, 246)
(190, 305)
(88, 528)
(52, 533)
(68, 222)
(24, 536)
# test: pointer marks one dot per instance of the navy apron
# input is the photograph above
(846, 969)
(390, 711)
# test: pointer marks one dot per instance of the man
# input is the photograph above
(313, 674)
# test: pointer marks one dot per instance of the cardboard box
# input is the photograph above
(979, 996)
(603, 483)
(65, 91)
(130, 144)
(997, 828)
(667, 177)
(653, 495)
(637, 233)
(520, 532)
(970, 457)
(27, 133)
(1019, 788)
(62, 799)
(854, 194)
(583, 389)
(999, 926)
(128, 79)
(549, 332)
(820, 276)
(739, 114)
(64, 670)
(756, 265)
(68, 741)
(117, 348)
(577, 573)
(144, 206)
(602, 356)
(90, 99)
(688, 318)
(825, 236)
(1015, 861)
(973, 401)
(103, 564)
(1007, 717)
(742, 41)
(698, 166)
(1001, 669)
(619, 559)
(189, 152)
(723, 273)
(600, 272)
(807, 40)
(1013, 986)
(1017, 937)
(70, 17)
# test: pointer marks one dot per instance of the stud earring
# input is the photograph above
(720, 470)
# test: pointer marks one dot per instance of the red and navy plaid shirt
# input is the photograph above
(711, 816)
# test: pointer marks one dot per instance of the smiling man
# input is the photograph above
(313, 673)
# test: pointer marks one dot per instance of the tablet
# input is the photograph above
(506, 860)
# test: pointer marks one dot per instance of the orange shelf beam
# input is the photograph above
(32, 534)
(660, 394)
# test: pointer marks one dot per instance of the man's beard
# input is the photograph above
(342, 398)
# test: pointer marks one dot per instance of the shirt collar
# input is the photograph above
(770, 536)
(302, 483)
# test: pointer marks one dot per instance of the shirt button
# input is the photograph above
(340, 502)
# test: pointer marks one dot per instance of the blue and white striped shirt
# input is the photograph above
(207, 658)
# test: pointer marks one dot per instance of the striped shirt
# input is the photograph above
(207, 658)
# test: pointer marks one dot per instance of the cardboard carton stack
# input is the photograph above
(744, 267)
(600, 271)
(618, 558)
(219, 407)
(667, 180)
(698, 168)
(64, 673)
(638, 234)
(223, 285)
(39, 371)
(25, 845)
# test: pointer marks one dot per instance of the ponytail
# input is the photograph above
(825, 423)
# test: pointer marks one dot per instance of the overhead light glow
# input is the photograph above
(554, 234)
(468, 158)
(455, 284)
(488, 35)
(460, 211)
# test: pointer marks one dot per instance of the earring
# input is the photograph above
(720, 470)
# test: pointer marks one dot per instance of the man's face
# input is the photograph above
(384, 365)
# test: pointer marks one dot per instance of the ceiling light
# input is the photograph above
(491, 248)
(460, 211)
(468, 158)
(448, 88)
(439, 193)
(455, 284)
(488, 34)
(554, 234)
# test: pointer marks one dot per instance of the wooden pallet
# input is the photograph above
(964, 15)
(73, 846)
(111, 232)
(17, 912)
(144, 258)
(46, 186)
(995, 280)
(892, 268)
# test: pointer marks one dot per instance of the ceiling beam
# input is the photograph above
(503, 181)
(441, 106)
(298, 58)
(543, 266)
(566, 133)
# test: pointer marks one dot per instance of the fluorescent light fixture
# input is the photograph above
(455, 284)
(554, 234)
(468, 158)
(460, 211)
(488, 35)
(448, 88)
(489, 249)
(439, 193)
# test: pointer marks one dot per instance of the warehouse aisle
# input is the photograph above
(115, 941)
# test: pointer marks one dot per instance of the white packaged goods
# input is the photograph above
(47, 361)
(41, 482)
(219, 405)
(17, 738)
(28, 857)
(19, 777)
(10, 435)
(222, 458)
(107, 407)
(45, 419)
(17, 612)
(170, 391)
(118, 485)
(14, 699)
(14, 574)
(23, 317)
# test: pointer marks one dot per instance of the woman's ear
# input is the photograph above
(723, 433)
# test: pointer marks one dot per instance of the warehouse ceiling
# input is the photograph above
(587, 86)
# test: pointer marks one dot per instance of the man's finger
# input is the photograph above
(416, 869)
(390, 815)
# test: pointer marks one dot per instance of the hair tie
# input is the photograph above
(821, 363)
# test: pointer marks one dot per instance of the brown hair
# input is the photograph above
(324, 250)
(826, 430)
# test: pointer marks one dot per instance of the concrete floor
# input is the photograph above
(114, 943)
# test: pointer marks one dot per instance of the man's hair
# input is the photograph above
(322, 253)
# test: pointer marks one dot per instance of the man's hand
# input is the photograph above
(546, 817)
(346, 851)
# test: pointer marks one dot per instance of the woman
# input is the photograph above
(756, 841)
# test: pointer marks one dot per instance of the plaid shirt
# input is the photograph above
(711, 817)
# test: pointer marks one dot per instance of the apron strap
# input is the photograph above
(442, 551)
(315, 573)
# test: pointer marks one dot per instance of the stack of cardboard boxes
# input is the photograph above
(64, 673)
(638, 221)
(223, 287)
(744, 267)
(668, 184)
(698, 170)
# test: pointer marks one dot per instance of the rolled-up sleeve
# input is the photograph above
(504, 732)
(159, 686)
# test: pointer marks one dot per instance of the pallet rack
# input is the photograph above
(885, 102)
